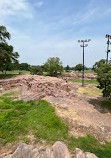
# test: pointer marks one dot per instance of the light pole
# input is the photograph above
(83, 45)
(108, 43)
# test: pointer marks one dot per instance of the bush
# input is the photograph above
(36, 70)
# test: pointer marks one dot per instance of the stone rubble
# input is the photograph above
(80, 154)
(38, 87)
(79, 76)
(58, 150)
(84, 119)
(81, 115)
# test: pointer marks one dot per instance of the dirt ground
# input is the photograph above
(81, 113)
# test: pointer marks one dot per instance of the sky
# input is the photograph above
(51, 28)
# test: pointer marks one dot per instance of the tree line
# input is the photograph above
(9, 59)
(27, 67)
(78, 67)
(53, 66)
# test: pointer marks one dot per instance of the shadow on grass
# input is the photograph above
(101, 104)
(6, 76)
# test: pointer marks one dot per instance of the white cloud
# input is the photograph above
(85, 17)
(14, 7)
(88, 14)
(68, 50)
(39, 4)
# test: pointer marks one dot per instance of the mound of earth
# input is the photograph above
(81, 113)
(37, 87)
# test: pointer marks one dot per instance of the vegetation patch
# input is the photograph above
(6, 76)
(15, 72)
(10, 74)
(19, 118)
(85, 81)
(90, 91)
(106, 104)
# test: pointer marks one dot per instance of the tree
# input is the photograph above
(24, 66)
(7, 54)
(12, 66)
(104, 77)
(99, 64)
(53, 66)
(78, 67)
(4, 34)
(36, 70)
(67, 68)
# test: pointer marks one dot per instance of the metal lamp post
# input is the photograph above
(83, 45)
(108, 43)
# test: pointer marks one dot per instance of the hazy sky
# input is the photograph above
(51, 28)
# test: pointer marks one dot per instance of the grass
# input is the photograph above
(15, 72)
(90, 91)
(18, 118)
(86, 72)
(6, 76)
(89, 72)
(10, 74)
(85, 81)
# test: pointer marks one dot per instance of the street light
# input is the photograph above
(83, 45)
(108, 43)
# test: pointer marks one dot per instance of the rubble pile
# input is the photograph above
(79, 111)
(79, 76)
(58, 150)
(37, 87)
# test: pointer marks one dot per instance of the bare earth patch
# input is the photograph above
(81, 113)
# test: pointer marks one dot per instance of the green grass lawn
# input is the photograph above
(10, 74)
(19, 118)
(15, 72)
(85, 81)
(6, 76)
(86, 72)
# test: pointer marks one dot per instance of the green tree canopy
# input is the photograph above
(24, 66)
(7, 54)
(78, 67)
(4, 34)
(67, 68)
(36, 70)
(104, 77)
(53, 66)
(13, 66)
(99, 64)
